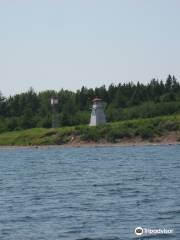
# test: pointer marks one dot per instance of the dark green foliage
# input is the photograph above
(89, 134)
(150, 109)
(123, 102)
(171, 125)
(145, 132)
(149, 129)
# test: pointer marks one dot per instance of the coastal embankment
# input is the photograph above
(157, 130)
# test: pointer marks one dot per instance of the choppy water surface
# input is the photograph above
(89, 193)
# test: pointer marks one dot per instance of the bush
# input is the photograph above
(170, 125)
(12, 123)
(3, 126)
(145, 132)
(90, 134)
(61, 138)
(111, 136)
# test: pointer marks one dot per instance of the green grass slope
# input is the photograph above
(149, 129)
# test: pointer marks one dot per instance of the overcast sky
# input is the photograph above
(50, 44)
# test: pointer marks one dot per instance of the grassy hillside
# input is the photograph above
(150, 129)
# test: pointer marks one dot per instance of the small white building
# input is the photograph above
(97, 114)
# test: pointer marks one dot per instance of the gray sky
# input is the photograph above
(50, 44)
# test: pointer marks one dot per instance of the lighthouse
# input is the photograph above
(97, 114)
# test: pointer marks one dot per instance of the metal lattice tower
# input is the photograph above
(55, 114)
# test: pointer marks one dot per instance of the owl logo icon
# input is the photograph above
(138, 231)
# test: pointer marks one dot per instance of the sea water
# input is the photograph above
(89, 192)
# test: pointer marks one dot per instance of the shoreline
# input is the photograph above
(139, 132)
(93, 145)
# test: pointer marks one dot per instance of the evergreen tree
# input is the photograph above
(124, 101)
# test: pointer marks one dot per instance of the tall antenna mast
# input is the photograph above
(55, 115)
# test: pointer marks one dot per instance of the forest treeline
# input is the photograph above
(122, 101)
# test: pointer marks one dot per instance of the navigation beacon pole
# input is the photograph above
(55, 115)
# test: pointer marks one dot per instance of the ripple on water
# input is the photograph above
(89, 193)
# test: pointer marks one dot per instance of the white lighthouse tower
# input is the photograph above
(97, 114)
